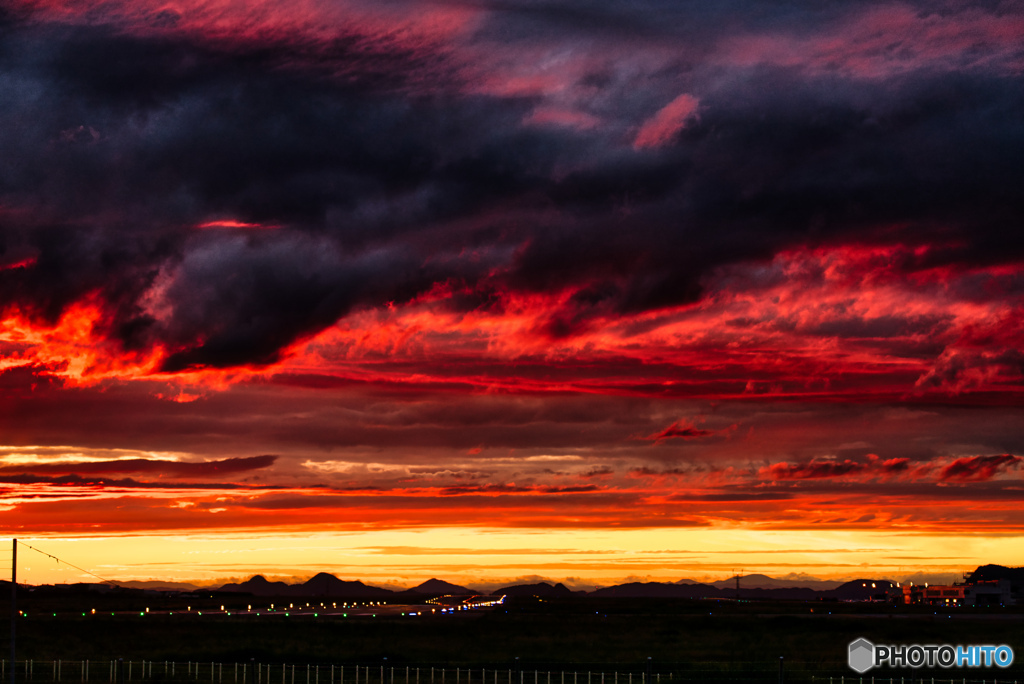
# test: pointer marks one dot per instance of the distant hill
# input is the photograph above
(324, 584)
(438, 587)
(766, 582)
(157, 585)
(258, 585)
(656, 590)
(857, 590)
(751, 587)
(755, 586)
(541, 589)
(320, 585)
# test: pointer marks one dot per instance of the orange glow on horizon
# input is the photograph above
(469, 556)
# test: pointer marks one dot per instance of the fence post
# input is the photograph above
(780, 669)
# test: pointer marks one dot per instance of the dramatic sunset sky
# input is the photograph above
(503, 289)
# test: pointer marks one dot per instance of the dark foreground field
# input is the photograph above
(574, 634)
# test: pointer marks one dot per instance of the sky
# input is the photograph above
(497, 290)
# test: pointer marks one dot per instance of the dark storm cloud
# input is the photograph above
(227, 466)
(381, 176)
(979, 468)
(814, 469)
(72, 481)
(179, 133)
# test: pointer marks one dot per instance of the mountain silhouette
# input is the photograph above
(656, 590)
(758, 581)
(438, 587)
(541, 590)
(258, 585)
(324, 584)
(319, 586)
(755, 586)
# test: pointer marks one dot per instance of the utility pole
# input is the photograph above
(14, 599)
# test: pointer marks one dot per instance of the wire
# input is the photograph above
(61, 560)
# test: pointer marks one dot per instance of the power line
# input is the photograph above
(61, 560)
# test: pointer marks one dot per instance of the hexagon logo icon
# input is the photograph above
(862, 655)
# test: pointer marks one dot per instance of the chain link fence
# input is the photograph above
(253, 672)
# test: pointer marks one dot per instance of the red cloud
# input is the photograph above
(669, 120)
(680, 430)
(978, 468)
(894, 465)
(813, 470)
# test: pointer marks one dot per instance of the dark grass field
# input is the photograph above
(572, 634)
